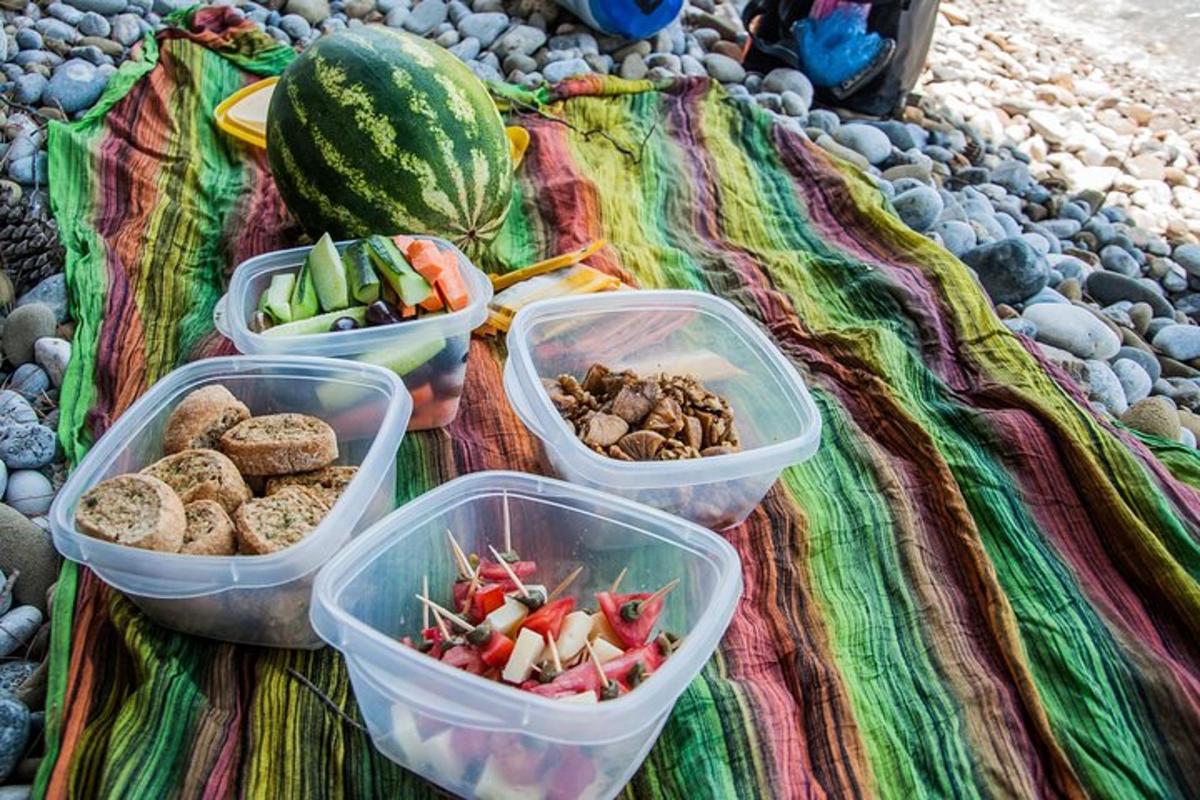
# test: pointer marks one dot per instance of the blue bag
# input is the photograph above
(632, 19)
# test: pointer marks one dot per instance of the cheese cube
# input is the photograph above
(446, 762)
(507, 617)
(575, 630)
(493, 786)
(407, 737)
(525, 654)
(602, 630)
(606, 651)
(583, 699)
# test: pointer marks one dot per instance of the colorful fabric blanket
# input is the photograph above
(976, 588)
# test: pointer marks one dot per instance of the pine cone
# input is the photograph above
(29, 246)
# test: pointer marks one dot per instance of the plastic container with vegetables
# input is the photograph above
(405, 303)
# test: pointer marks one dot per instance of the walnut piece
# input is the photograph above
(603, 430)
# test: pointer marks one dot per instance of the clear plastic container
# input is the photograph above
(429, 353)
(479, 738)
(675, 332)
(260, 600)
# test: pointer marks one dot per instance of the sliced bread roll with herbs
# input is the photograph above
(328, 483)
(280, 444)
(133, 510)
(202, 475)
(269, 524)
(201, 419)
(210, 531)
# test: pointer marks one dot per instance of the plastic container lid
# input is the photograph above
(243, 115)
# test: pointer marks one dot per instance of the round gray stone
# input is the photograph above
(1188, 257)
(30, 381)
(1143, 359)
(1104, 387)
(866, 140)
(1073, 329)
(723, 68)
(426, 15)
(24, 326)
(27, 447)
(14, 734)
(918, 207)
(1180, 342)
(27, 548)
(1009, 270)
(1135, 381)
(29, 492)
(75, 85)
(957, 237)
(484, 27)
(1115, 259)
(1111, 287)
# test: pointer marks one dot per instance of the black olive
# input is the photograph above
(637, 674)
(547, 675)
(480, 635)
(381, 313)
(611, 691)
(344, 324)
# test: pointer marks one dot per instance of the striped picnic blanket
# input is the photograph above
(976, 587)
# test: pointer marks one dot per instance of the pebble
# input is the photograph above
(1073, 329)
(1103, 387)
(521, 39)
(723, 68)
(14, 733)
(1010, 270)
(425, 16)
(29, 89)
(1012, 175)
(561, 70)
(29, 492)
(1117, 260)
(1111, 287)
(24, 326)
(782, 80)
(26, 547)
(27, 447)
(106, 7)
(1156, 416)
(866, 140)
(313, 11)
(919, 207)
(1188, 257)
(93, 24)
(957, 237)
(126, 30)
(28, 39)
(16, 628)
(75, 85)
(1143, 359)
(15, 409)
(13, 674)
(1135, 381)
(484, 27)
(295, 26)
(1180, 342)
(52, 355)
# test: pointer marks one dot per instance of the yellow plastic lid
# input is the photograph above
(243, 115)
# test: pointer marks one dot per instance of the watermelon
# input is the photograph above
(375, 131)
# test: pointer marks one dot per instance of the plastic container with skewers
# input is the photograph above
(486, 730)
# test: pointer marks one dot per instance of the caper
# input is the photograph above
(610, 691)
(631, 611)
(481, 635)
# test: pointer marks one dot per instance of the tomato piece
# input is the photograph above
(491, 571)
(497, 650)
(487, 599)
(573, 773)
(635, 630)
(548, 619)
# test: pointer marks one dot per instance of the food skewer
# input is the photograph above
(450, 615)
(558, 667)
(663, 592)
(562, 586)
(610, 688)
(617, 583)
(475, 584)
(512, 576)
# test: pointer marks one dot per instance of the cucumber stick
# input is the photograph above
(360, 275)
(328, 275)
(403, 360)
(304, 294)
(319, 323)
(394, 268)
(278, 296)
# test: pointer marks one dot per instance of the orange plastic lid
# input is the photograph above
(243, 115)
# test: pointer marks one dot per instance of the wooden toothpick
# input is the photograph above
(663, 592)
(512, 576)
(617, 583)
(441, 626)
(567, 581)
(554, 653)
(424, 608)
(475, 584)
(596, 662)
(507, 527)
(460, 558)
(450, 615)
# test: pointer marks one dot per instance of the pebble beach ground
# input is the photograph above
(1062, 170)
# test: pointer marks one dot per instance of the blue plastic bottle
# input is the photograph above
(633, 19)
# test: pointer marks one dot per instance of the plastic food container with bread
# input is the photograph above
(281, 460)
(488, 736)
(429, 352)
(681, 333)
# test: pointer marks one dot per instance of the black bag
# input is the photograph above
(909, 22)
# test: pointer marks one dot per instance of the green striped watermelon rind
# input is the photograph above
(373, 130)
